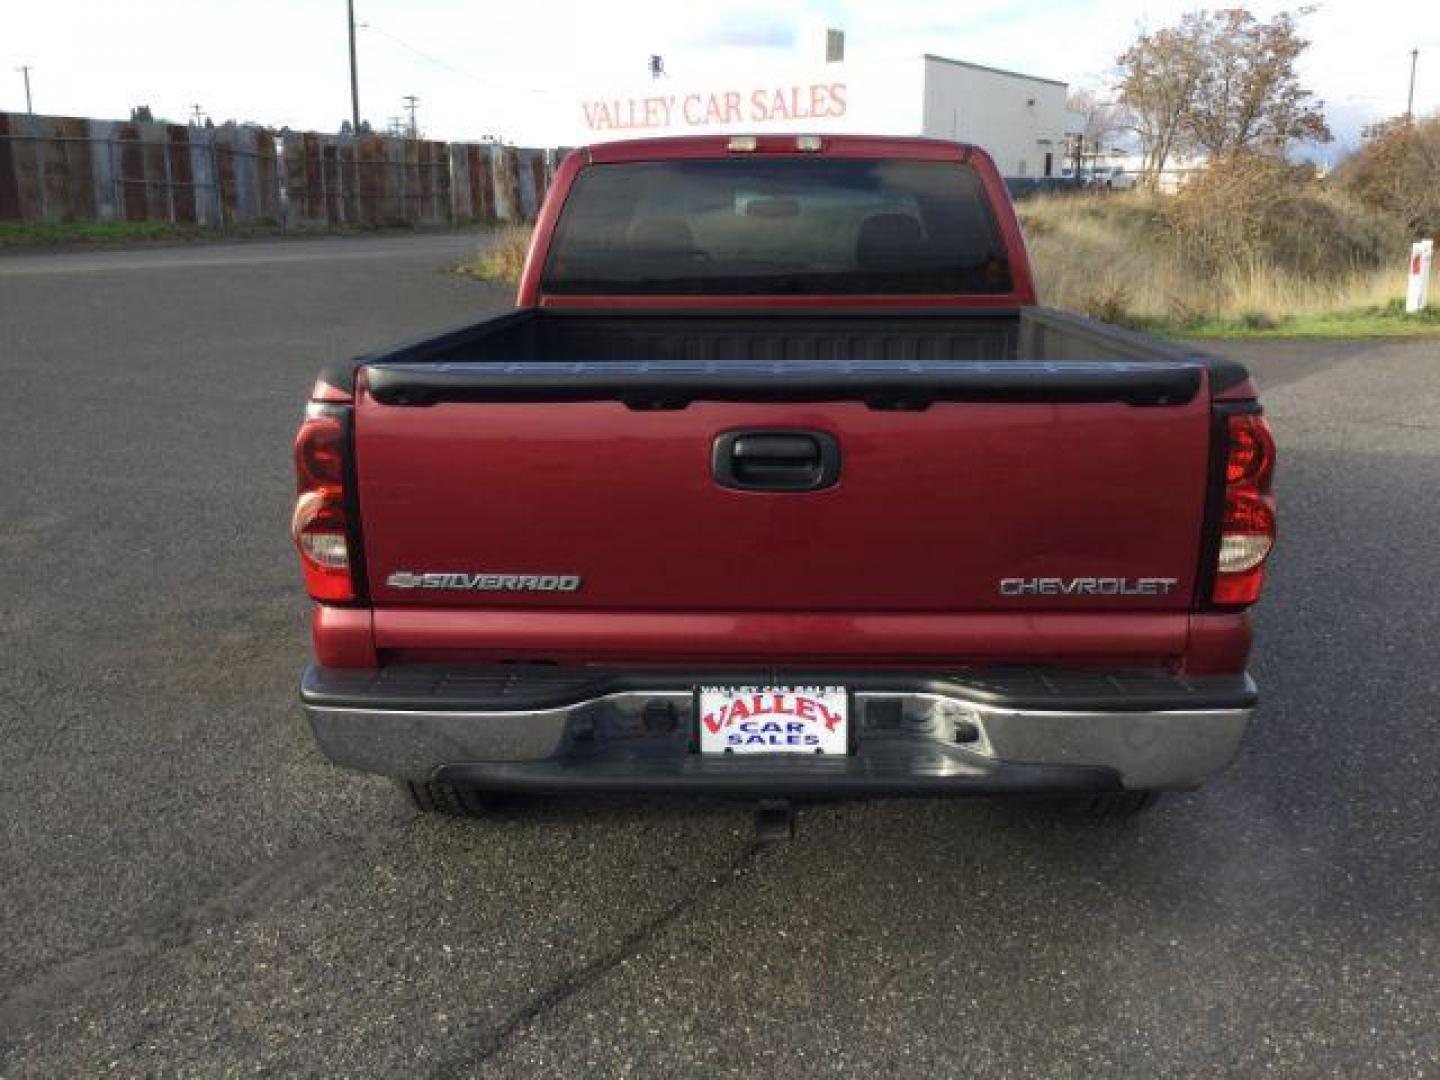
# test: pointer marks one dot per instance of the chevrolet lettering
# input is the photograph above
(1088, 586)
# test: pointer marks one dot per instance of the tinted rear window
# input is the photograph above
(752, 226)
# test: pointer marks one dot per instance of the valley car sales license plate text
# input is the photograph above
(773, 719)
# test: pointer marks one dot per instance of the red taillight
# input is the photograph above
(320, 526)
(320, 453)
(1247, 454)
(1247, 522)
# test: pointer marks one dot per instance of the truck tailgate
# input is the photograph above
(976, 499)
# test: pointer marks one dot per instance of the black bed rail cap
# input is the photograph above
(882, 384)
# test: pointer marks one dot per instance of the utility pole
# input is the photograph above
(24, 70)
(354, 72)
(1410, 101)
(410, 102)
(199, 118)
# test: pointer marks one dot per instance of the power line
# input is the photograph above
(432, 59)
(426, 56)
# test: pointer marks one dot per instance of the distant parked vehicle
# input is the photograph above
(1089, 177)
(1110, 177)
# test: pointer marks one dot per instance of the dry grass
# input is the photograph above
(500, 258)
(1255, 247)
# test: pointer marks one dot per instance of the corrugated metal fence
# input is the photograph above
(55, 168)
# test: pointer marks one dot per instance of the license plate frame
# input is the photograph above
(802, 720)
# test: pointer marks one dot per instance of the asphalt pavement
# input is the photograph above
(189, 889)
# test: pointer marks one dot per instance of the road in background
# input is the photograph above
(189, 888)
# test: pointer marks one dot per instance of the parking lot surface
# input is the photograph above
(190, 889)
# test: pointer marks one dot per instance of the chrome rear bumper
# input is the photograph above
(915, 734)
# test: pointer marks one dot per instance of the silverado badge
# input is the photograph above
(484, 581)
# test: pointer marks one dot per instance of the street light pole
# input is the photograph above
(354, 73)
(24, 70)
(1410, 101)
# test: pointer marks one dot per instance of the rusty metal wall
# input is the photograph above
(76, 169)
(373, 180)
(472, 196)
(57, 168)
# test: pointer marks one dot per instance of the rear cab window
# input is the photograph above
(777, 226)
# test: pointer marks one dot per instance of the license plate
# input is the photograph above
(773, 719)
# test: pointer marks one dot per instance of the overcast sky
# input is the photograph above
(483, 68)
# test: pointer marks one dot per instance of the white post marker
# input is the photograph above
(1421, 253)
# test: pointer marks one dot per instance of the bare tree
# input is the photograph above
(1221, 82)
(1101, 120)
(1159, 80)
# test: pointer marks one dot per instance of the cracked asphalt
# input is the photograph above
(188, 889)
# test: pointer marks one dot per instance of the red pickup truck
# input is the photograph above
(777, 482)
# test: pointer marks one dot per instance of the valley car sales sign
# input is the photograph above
(877, 96)
(702, 110)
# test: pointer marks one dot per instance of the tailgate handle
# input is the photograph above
(773, 459)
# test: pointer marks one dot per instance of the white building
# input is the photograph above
(1021, 120)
